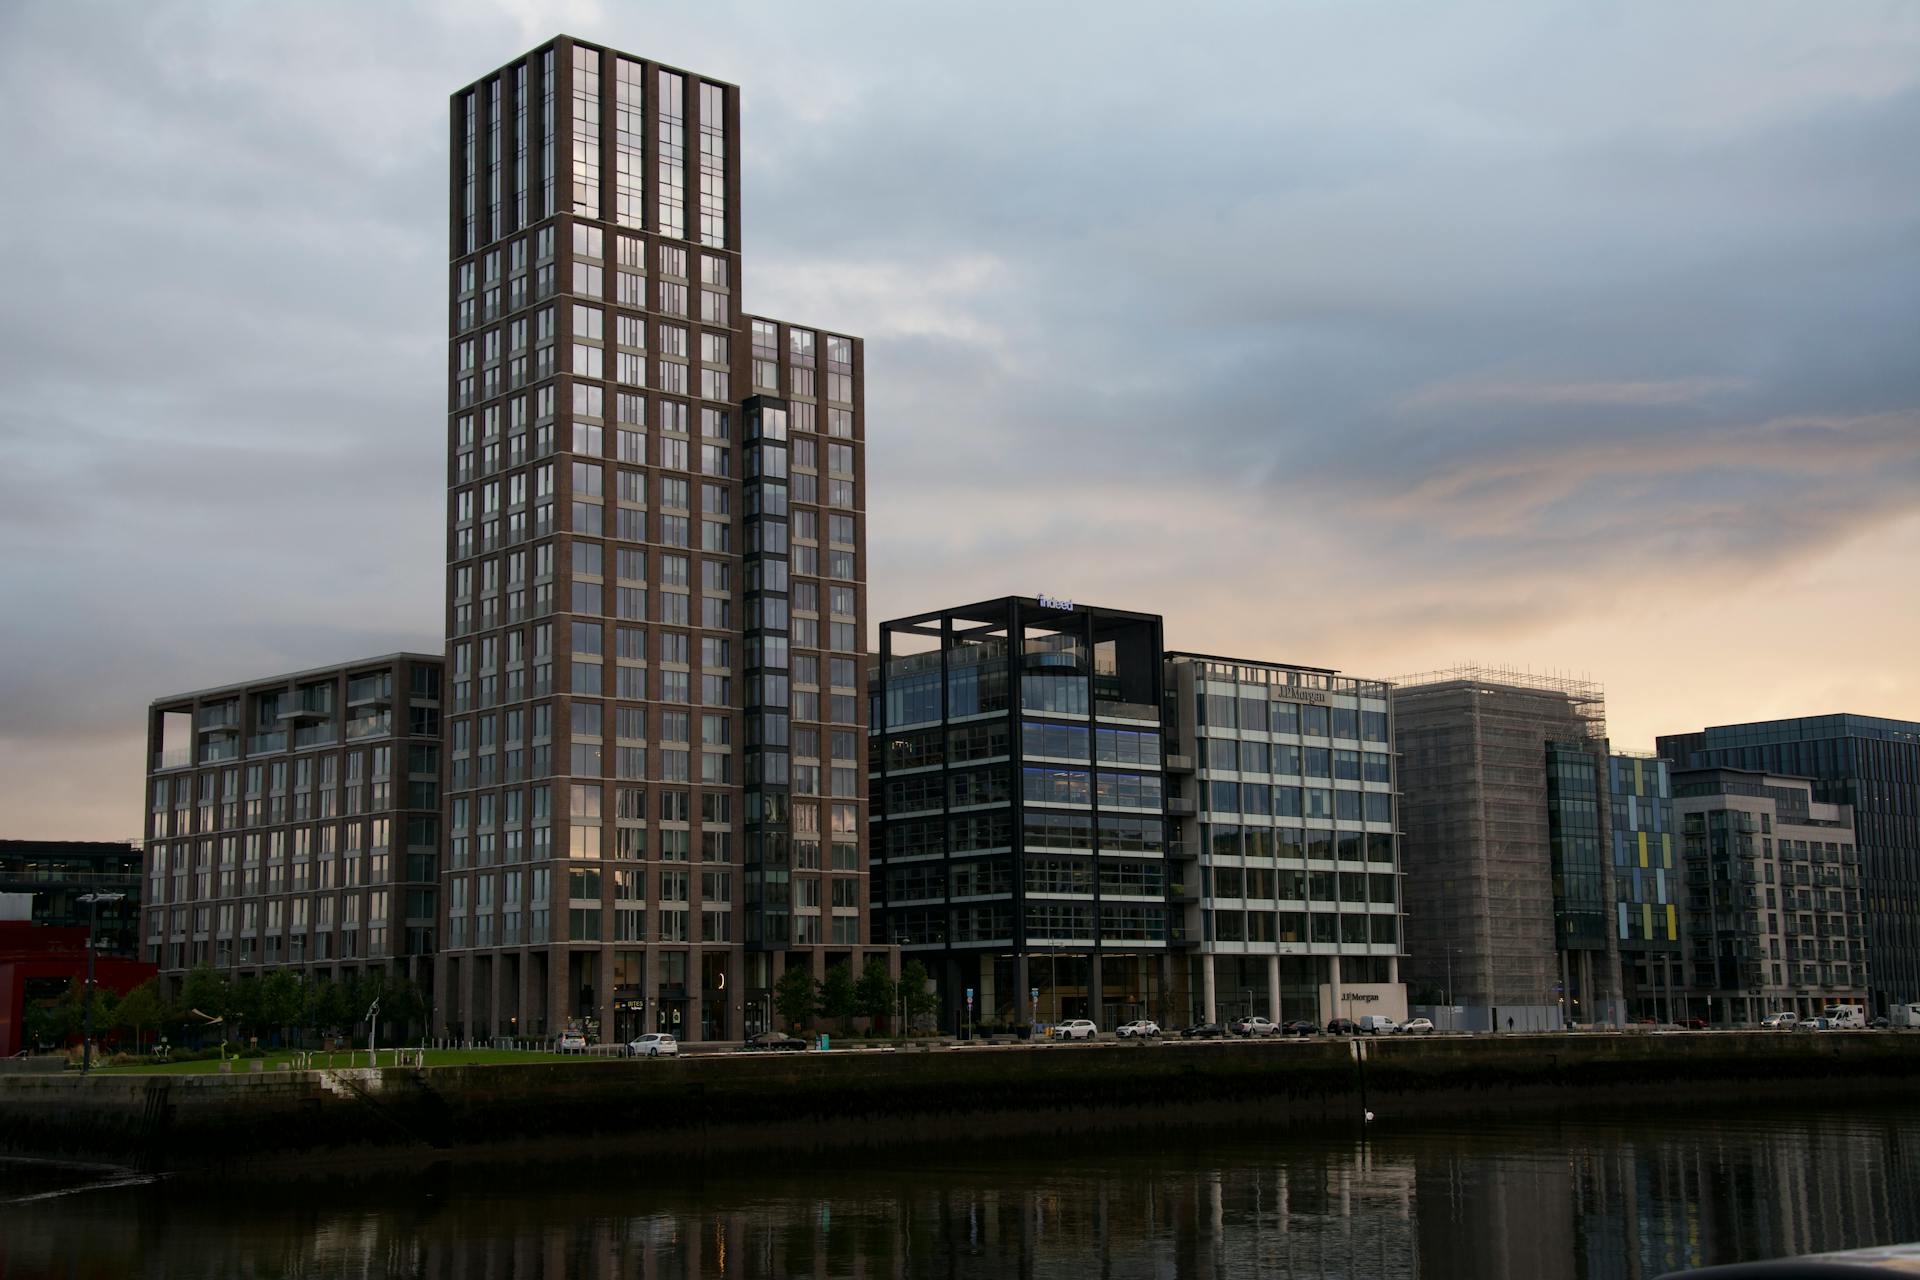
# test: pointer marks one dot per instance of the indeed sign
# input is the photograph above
(1054, 602)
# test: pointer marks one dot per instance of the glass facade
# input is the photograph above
(1871, 765)
(1019, 820)
(1646, 883)
(1290, 877)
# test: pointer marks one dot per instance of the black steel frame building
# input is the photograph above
(1019, 813)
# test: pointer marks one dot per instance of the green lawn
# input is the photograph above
(341, 1058)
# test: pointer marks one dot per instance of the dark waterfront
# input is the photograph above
(1534, 1197)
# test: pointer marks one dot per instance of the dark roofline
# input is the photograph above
(241, 686)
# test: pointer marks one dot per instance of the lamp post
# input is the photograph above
(93, 901)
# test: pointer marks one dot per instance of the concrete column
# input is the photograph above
(528, 998)
(603, 992)
(1206, 988)
(1096, 987)
(1023, 985)
(559, 1000)
(494, 963)
(1273, 987)
(440, 995)
(696, 998)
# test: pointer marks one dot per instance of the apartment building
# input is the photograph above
(656, 567)
(294, 821)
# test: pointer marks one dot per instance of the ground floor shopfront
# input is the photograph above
(613, 994)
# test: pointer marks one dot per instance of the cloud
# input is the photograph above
(1364, 340)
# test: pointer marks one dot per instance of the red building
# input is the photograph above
(37, 962)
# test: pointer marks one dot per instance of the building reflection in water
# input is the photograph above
(1539, 1198)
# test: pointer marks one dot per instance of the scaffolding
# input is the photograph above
(1474, 743)
(1583, 694)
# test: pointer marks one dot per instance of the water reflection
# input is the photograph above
(1541, 1197)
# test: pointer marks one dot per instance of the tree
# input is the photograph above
(139, 1009)
(280, 1002)
(793, 996)
(874, 992)
(920, 1002)
(837, 998)
(327, 1007)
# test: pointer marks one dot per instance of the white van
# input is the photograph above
(1375, 1024)
(1780, 1021)
(1846, 1017)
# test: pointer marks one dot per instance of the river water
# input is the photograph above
(1530, 1197)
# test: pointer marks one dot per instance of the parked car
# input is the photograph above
(1694, 1024)
(572, 1042)
(1254, 1026)
(654, 1044)
(1881, 1023)
(1301, 1028)
(1075, 1029)
(1143, 1028)
(1378, 1024)
(777, 1040)
(1779, 1021)
(1815, 1024)
(1418, 1026)
(1204, 1031)
(1341, 1027)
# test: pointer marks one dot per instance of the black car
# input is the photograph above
(1301, 1028)
(1341, 1027)
(1204, 1031)
(1881, 1023)
(777, 1040)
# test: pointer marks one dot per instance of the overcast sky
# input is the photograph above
(1382, 337)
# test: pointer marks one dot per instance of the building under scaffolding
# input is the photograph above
(1504, 808)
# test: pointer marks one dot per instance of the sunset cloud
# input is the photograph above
(1365, 340)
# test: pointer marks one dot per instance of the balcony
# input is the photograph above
(1180, 805)
(1179, 763)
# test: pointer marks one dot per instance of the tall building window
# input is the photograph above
(713, 164)
(673, 156)
(494, 175)
(586, 131)
(520, 145)
(546, 134)
(629, 139)
(471, 187)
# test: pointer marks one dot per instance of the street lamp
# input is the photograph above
(93, 901)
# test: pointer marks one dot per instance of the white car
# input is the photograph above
(654, 1044)
(1075, 1029)
(1143, 1028)
(1418, 1026)
(572, 1042)
(1780, 1021)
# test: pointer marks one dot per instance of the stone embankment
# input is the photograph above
(761, 1103)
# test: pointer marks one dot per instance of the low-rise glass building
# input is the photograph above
(1289, 862)
(1019, 825)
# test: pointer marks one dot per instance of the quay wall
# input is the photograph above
(764, 1102)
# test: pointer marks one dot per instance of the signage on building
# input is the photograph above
(1054, 602)
(1360, 997)
(1294, 693)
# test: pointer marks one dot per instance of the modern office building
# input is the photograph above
(1019, 809)
(1502, 779)
(295, 821)
(1773, 896)
(1647, 876)
(1871, 765)
(1071, 822)
(1293, 909)
(58, 873)
(655, 572)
